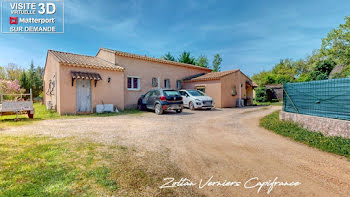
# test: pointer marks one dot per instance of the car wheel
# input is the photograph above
(191, 106)
(158, 109)
(178, 110)
(140, 107)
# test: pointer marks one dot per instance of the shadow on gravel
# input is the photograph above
(184, 113)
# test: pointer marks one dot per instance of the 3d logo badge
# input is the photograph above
(14, 20)
(32, 16)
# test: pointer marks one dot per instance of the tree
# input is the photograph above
(260, 78)
(285, 71)
(35, 80)
(10, 87)
(169, 57)
(23, 81)
(31, 75)
(202, 61)
(323, 69)
(216, 63)
(304, 77)
(40, 71)
(336, 46)
(337, 43)
(12, 71)
(261, 94)
(186, 57)
(2, 73)
(335, 50)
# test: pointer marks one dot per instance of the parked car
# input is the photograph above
(160, 100)
(195, 99)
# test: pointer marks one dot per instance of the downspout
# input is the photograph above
(240, 95)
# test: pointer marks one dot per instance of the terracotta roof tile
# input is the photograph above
(84, 61)
(152, 59)
(213, 75)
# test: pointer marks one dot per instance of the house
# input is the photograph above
(228, 88)
(274, 91)
(76, 83)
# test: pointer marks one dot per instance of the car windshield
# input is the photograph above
(171, 93)
(195, 93)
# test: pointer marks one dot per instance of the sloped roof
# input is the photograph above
(84, 61)
(337, 69)
(152, 59)
(193, 76)
(274, 86)
(213, 75)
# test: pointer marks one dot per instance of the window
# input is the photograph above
(171, 93)
(166, 83)
(178, 84)
(196, 93)
(183, 93)
(154, 82)
(156, 93)
(234, 91)
(201, 88)
(148, 94)
(133, 83)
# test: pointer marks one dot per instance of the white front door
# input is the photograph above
(83, 95)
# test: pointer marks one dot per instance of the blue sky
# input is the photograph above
(250, 35)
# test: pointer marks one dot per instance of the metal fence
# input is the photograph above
(325, 98)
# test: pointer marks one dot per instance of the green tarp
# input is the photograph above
(325, 98)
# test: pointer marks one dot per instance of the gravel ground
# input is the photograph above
(227, 144)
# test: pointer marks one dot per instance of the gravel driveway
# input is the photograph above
(227, 144)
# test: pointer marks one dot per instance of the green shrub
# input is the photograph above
(337, 145)
(260, 94)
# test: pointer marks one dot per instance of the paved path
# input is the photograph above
(227, 144)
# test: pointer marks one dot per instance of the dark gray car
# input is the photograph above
(160, 100)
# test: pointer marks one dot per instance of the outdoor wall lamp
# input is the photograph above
(109, 80)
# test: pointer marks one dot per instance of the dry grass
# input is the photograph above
(40, 166)
(255, 110)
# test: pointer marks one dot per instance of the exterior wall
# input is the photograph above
(227, 83)
(105, 55)
(327, 126)
(51, 72)
(221, 90)
(146, 70)
(108, 93)
(212, 89)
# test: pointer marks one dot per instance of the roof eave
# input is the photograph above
(91, 66)
(152, 59)
(198, 80)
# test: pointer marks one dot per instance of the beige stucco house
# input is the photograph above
(227, 88)
(76, 83)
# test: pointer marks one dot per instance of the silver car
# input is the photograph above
(195, 99)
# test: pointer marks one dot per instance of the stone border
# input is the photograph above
(327, 126)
